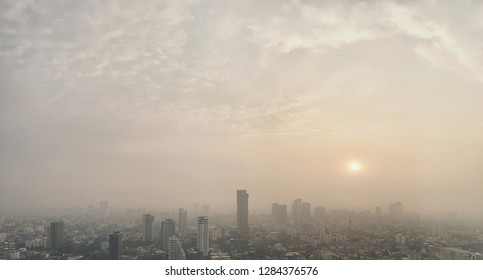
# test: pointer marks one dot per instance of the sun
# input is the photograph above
(354, 166)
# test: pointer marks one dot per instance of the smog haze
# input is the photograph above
(163, 104)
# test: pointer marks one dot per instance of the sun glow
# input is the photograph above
(354, 166)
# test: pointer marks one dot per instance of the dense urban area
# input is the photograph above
(300, 232)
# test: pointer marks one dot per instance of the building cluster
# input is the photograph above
(302, 233)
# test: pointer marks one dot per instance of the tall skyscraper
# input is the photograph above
(115, 246)
(175, 250)
(396, 209)
(168, 228)
(275, 218)
(56, 236)
(203, 238)
(306, 211)
(279, 214)
(297, 210)
(242, 211)
(148, 228)
(183, 221)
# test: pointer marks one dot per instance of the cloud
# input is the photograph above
(195, 69)
(444, 41)
(444, 38)
(301, 26)
(97, 82)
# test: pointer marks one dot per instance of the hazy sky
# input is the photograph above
(160, 104)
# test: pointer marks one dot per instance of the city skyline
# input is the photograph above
(384, 208)
(308, 233)
(241, 130)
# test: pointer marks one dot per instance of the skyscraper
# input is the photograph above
(203, 237)
(56, 236)
(297, 210)
(242, 211)
(306, 211)
(279, 214)
(183, 221)
(115, 246)
(168, 228)
(282, 215)
(148, 228)
(175, 250)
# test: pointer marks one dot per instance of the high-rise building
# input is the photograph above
(242, 211)
(275, 218)
(148, 228)
(297, 210)
(279, 214)
(306, 211)
(115, 246)
(175, 250)
(56, 236)
(396, 209)
(378, 212)
(183, 221)
(319, 212)
(168, 227)
(203, 237)
(104, 208)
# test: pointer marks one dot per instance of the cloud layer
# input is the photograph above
(99, 97)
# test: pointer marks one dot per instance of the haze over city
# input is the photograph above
(162, 104)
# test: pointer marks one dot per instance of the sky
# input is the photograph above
(162, 104)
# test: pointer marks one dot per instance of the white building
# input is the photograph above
(175, 250)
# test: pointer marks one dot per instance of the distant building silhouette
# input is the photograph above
(297, 210)
(183, 221)
(378, 212)
(306, 211)
(242, 211)
(175, 250)
(203, 237)
(396, 210)
(168, 228)
(115, 246)
(148, 228)
(279, 214)
(56, 236)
